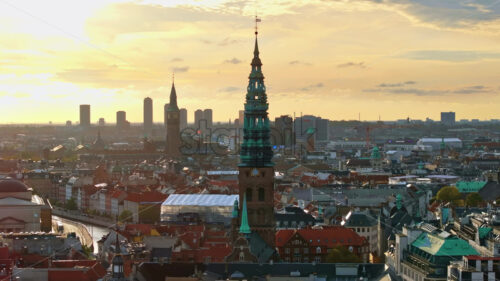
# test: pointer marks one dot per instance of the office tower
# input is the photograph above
(256, 170)
(148, 115)
(121, 119)
(304, 127)
(448, 118)
(68, 123)
(102, 123)
(241, 116)
(85, 115)
(173, 126)
(283, 133)
(184, 118)
(321, 129)
(198, 116)
(207, 115)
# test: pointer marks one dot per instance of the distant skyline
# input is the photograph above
(334, 59)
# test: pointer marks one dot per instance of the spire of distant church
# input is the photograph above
(117, 263)
(173, 97)
(256, 147)
(244, 228)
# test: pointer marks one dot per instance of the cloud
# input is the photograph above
(298, 62)
(390, 85)
(176, 60)
(230, 89)
(312, 87)
(233, 61)
(227, 41)
(180, 69)
(472, 90)
(477, 89)
(455, 14)
(352, 64)
(450, 55)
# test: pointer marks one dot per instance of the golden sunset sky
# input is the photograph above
(337, 58)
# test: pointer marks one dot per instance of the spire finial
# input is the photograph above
(173, 77)
(257, 19)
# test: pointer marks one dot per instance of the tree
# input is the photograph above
(71, 204)
(341, 254)
(473, 199)
(448, 194)
(125, 216)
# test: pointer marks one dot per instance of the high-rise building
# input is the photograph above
(283, 133)
(321, 129)
(148, 115)
(102, 123)
(85, 115)
(121, 120)
(303, 127)
(207, 115)
(256, 170)
(241, 117)
(448, 118)
(68, 123)
(173, 126)
(184, 118)
(198, 116)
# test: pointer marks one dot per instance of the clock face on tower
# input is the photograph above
(254, 172)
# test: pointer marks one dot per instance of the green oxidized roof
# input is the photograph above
(244, 227)
(484, 231)
(256, 148)
(470, 186)
(439, 246)
(375, 153)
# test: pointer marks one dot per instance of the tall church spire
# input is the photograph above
(244, 228)
(117, 263)
(256, 147)
(173, 97)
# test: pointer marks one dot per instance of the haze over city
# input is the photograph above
(336, 59)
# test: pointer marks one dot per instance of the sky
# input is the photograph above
(338, 59)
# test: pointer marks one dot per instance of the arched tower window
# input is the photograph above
(262, 194)
(249, 194)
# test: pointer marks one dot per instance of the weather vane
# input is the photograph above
(257, 19)
(173, 77)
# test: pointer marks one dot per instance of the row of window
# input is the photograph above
(261, 194)
(317, 259)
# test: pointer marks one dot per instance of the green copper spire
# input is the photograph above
(256, 148)
(443, 144)
(235, 209)
(244, 227)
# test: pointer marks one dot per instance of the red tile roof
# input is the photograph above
(147, 196)
(327, 236)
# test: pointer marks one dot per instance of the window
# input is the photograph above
(242, 256)
(262, 194)
(249, 194)
(287, 250)
(296, 250)
(317, 259)
(306, 251)
(318, 250)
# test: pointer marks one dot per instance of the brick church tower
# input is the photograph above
(256, 171)
(173, 126)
